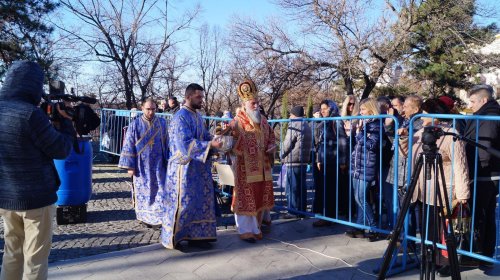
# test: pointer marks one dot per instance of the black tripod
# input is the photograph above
(431, 159)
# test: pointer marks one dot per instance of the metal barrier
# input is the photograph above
(456, 122)
(342, 189)
(113, 128)
(337, 181)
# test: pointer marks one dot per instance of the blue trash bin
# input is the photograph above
(75, 173)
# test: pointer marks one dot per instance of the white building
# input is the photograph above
(492, 77)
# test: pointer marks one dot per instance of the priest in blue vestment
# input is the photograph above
(145, 156)
(189, 204)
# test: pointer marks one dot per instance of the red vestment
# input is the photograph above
(253, 191)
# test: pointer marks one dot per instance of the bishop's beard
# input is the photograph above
(253, 115)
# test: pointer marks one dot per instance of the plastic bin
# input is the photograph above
(75, 173)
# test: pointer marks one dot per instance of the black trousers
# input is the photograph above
(325, 195)
(485, 225)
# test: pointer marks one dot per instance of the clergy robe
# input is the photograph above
(189, 205)
(253, 192)
(146, 151)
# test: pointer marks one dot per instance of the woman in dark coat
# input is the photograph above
(365, 166)
(330, 142)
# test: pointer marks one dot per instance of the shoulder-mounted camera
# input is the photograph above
(84, 118)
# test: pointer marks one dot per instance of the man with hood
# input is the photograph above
(330, 142)
(487, 173)
(28, 145)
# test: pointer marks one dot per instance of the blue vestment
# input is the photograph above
(146, 151)
(189, 204)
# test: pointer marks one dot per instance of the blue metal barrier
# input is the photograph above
(110, 124)
(347, 219)
(113, 127)
(454, 121)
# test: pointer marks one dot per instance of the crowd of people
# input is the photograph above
(351, 159)
(171, 166)
(369, 143)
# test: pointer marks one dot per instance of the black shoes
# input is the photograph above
(444, 271)
(250, 240)
(372, 236)
(355, 233)
(155, 227)
(201, 244)
(322, 223)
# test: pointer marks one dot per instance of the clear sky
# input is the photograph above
(219, 12)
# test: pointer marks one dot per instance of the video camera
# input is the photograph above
(82, 115)
(429, 138)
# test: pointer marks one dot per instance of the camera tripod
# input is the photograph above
(432, 160)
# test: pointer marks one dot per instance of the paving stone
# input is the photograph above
(111, 223)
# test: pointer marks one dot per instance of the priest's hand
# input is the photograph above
(216, 143)
(130, 172)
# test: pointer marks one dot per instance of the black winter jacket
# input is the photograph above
(489, 136)
(330, 142)
(28, 142)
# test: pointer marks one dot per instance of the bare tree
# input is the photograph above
(340, 41)
(168, 81)
(121, 33)
(209, 66)
(265, 53)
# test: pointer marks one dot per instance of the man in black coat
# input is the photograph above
(482, 103)
(29, 180)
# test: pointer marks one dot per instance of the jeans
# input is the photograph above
(296, 187)
(387, 193)
(365, 211)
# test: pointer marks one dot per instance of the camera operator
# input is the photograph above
(29, 180)
(455, 171)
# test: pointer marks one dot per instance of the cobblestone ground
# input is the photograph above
(111, 223)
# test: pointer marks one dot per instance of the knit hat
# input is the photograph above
(448, 101)
(297, 111)
(316, 109)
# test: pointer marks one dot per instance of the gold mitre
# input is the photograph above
(247, 90)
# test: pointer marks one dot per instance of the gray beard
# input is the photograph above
(254, 116)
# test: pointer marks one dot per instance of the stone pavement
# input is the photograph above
(111, 223)
(113, 245)
(293, 250)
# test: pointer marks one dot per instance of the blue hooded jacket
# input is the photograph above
(330, 137)
(28, 142)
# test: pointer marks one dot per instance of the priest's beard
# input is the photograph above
(254, 115)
